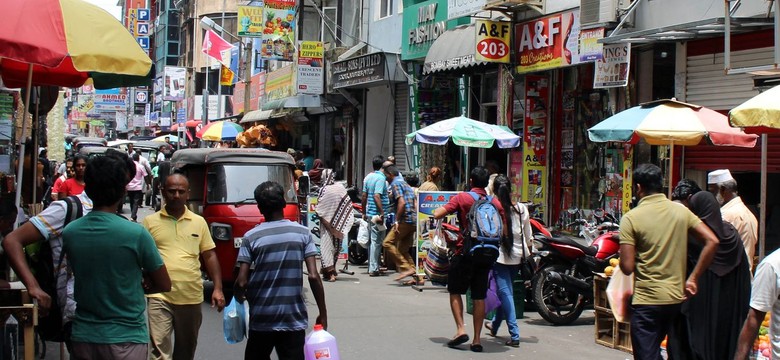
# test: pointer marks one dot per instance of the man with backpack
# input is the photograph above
(480, 217)
(51, 284)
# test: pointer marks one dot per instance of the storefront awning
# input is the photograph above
(297, 101)
(454, 49)
(693, 30)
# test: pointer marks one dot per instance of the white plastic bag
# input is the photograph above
(363, 233)
(619, 292)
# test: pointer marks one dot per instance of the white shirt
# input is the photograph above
(521, 230)
(160, 156)
(736, 213)
(764, 296)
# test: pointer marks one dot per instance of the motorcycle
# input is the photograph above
(563, 283)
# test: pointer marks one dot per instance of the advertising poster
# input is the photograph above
(492, 41)
(590, 48)
(278, 30)
(280, 83)
(537, 91)
(310, 68)
(516, 173)
(612, 69)
(427, 202)
(250, 21)
(549, 42)
(173, 83)
(628, 178)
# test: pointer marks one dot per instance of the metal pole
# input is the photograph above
(205, 96)
(20, 161)
(220, 114)
(247, 74)
(762, 208)
(671, 168)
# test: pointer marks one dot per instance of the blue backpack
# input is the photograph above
(482, 236)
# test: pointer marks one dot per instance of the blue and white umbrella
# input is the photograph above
(465, 132)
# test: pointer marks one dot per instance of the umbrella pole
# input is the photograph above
(20, 161)
(671, 168)
(762, 207)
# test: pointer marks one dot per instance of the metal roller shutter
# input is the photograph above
(708, 85)
(400, 127)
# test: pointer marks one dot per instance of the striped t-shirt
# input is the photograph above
(275, 287)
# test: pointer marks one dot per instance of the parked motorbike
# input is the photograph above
(563, 282)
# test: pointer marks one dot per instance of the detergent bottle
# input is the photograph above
(321, 345)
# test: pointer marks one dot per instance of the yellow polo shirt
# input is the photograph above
(180, 242)
(658, 230)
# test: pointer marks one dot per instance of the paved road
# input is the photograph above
(375, 318)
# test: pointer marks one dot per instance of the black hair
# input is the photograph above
(650, 177)
(105, 180)
(122, 157)
(503, 190)
(136, 157)
(377, 162)
(270, 198)
(392, 170)
(479, 177)
(78, 157)
(684, 189)
(411, 178)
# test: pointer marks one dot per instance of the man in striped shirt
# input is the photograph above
(274, 289)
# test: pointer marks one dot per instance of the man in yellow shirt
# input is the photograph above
(181, 237)
(733, 210)
(653, 246)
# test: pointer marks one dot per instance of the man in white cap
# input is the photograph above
(733, 210)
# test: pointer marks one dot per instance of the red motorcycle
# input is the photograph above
(563, 282)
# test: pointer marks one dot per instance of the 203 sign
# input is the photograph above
(492, 49)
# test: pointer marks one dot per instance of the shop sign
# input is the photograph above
(549, 42)
(110, 102)
(492, 41)
(460, 8)
(251, 21)
(173, 83)
(427, 202)
(310, 67)
(423, 23)
(537, 95)
(612, 69)
(280, 83)
(590, 48)
(278, 38)
(358, 71)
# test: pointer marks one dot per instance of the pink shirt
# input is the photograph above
(137, 183)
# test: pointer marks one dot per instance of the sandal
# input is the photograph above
(458, 340)
(489, 326)
(512, 343)
(476, 347)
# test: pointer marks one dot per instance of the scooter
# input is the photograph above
(563, 283)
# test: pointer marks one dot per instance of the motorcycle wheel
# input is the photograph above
(357, 254)
(553, 302)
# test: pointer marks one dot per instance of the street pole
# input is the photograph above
(247, 74)
(205, 116)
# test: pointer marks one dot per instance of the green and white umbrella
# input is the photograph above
(465, 132)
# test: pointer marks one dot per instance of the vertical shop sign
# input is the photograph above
(310, 68)
(628, 176)
(492, 41)
(549, 42)
(427, 202)
(612, 69)
(413, 120)
(279, 30)
(537, 90)
(250, 21)
(173, 83)
(463, 101)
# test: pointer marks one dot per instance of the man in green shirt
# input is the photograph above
(653, 246)
(113, 261)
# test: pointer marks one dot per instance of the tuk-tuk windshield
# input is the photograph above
(232, 183)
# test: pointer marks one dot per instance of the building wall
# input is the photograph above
(378, 125)
(652, 14)
(385, 33)
(554, 6)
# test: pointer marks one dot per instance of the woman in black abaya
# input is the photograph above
(709, 324)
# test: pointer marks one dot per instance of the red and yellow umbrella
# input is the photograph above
(68, 42)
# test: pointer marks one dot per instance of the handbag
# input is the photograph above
(437, 262)
(527, 263)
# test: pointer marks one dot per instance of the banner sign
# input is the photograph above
(250, 21)
(537, 95)
(549, 42)
(110, 102)
(280, 83)
(427, 202)
(590, 48)
(358, 71)
(422, 24)
(173, 83)
(279, 30)
(310, 68)
(460, 8)
(492, 41)
(612, 69)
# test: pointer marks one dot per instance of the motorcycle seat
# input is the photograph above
(567, 240)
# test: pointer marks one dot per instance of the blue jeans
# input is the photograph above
(375, 246)
(505, 275)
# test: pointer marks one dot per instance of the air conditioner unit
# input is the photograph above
(601, 11)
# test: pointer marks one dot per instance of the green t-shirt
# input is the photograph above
(108, 255)
(658, 229)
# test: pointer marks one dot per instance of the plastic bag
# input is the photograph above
(492, 301)
(234, 322)
(619, 292)
(363, 233)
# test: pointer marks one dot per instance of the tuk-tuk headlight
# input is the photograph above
(221, 231)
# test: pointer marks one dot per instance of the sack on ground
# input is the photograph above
(363, 232)
(483, 231)
(619, 292)
(234, 322)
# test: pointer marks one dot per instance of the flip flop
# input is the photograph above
(458, 340)
(489, 326)
(476, 347)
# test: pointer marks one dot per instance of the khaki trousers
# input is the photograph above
(397, 246)
(165, 319)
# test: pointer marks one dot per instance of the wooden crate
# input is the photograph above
(600, 301)
(605, 329)
(623, 337)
